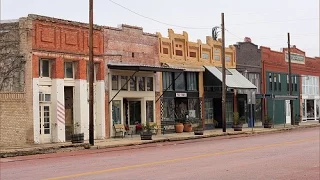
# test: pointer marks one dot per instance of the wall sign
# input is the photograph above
(181, 94)
(295, 58)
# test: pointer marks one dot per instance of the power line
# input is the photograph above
(168, 24)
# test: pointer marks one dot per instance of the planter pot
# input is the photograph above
(146, 135)
(77, 138)
(187, 127)
(198, 131)
(237, 127)
(179, 127)
(297, 123)
(267, 125)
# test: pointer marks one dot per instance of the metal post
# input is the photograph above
(273, 109)
(91, 128)
(224, 128)
(251, 110)
(290, 81)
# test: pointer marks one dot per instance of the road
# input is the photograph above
(288, 155)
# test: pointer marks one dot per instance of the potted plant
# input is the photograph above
(146, 133)
(297, 119)
(267, 122)
(77, 137)
(237, 122)
(179, 126)
(199, 129)
(187, 125)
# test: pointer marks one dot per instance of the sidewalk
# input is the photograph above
(135, 140)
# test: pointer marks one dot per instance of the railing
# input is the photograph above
(213, 88)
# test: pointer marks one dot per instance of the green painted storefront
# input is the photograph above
(278, 84)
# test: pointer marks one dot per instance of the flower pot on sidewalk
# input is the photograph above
(77, 138)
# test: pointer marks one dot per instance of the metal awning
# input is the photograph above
(139, 67)
(234, 79)
(186, 67)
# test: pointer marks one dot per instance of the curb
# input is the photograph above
(81, 146)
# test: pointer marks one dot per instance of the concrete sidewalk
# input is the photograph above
(135, 140)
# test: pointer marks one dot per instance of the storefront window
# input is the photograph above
(167, 81)
(149, 83)
(116, 111)
(149, 109)
(229, 111)
(168, 109)
(124, 83)
(133, 84)
(181, 109)
(193, 108)
(192, 82)
(141, 83)
(115, 82)
(180, 84)
(208, 111)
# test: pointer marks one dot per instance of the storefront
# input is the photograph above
(213, 95)
(180, 96)
(310, 98)
(132, 94)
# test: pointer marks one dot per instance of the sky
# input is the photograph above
(265, 22)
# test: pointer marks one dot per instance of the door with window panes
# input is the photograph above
(45, 118)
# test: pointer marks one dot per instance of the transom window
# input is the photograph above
(44, 68)
(68, 70)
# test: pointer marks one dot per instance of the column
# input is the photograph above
(36, 117)
(81, 105)
(99, 110)
(57, 99)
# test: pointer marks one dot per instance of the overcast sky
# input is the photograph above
(265, 22)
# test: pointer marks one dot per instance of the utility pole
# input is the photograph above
(91, 76)
(290, 81)
(224, 89)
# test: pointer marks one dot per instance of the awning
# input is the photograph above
(139, 67)
(187, 67)
(234, 79)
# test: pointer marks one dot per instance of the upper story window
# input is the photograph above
(193, 54)
(205, 55)
(279, 81)
(270, 81)
(44, 68)
(228, 58)
(141, 83)
(179, 52)
(69, 70)
(124, 83)
(165, 50)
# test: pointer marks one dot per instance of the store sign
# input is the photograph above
(295, 58)
(181, 94)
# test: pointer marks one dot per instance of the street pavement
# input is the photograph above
(286, 155)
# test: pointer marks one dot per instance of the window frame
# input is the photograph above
(41, 68)
(65, 70)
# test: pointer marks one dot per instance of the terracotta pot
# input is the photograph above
(178, 127)
(187, 127)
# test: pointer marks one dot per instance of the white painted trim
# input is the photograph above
(57, 99)
(36, 121)
(81, 108)
(100, 130)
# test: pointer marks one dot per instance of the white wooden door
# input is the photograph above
(288, 112)
(45, 123)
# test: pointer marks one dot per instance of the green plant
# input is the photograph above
(267, 120)
(236, 119)
(147, 126)
(215, 123)
(297, 118)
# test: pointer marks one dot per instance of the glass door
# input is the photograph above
(45, 127)
(134, 112)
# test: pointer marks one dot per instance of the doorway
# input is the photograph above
(45, 127)
(134, 112)
(288, 111)
(68, 105)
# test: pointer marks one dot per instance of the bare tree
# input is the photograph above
(11, 61)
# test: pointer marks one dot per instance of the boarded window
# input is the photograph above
(193, 54)
(165, 51)
(179, 52)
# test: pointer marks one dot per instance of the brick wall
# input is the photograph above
(11, 60)
(15, 126)
(248, 57)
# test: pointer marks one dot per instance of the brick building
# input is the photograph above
(197, 91)
(248, 57)
(132, 77)
(55, 92)
(305, 83)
